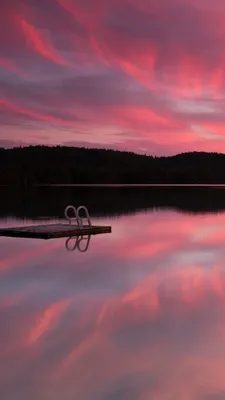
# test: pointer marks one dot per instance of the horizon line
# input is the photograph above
(108, 149)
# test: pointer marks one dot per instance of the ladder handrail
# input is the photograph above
(77, 216)
(86, 212)
(70, 207)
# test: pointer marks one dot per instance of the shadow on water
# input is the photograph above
(50, 202)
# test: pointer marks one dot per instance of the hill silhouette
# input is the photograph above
(38, 165)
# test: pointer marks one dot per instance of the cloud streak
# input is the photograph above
(155, 69)
(38, 43)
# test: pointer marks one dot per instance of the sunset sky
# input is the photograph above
(139, 75)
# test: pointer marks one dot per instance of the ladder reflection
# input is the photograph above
(80, 243)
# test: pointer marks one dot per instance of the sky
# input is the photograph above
(140, 75)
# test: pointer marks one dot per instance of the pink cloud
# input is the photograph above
(146, 68)
(39, 43)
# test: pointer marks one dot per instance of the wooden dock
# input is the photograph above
(53, 231)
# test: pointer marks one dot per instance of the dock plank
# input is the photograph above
(51, 231)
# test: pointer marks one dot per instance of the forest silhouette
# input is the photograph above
(40, 165)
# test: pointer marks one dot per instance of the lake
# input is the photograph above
(138, 313)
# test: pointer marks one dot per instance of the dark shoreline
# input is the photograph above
(43, 165)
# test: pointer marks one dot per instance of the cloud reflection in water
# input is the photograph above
(140, 315)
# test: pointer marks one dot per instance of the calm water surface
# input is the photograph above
(139, 315)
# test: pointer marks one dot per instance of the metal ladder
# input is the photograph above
(77, 217)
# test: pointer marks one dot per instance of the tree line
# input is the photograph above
(40, 165)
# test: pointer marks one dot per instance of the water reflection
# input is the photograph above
(140, 316)
(109, 201)
(79, 243)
